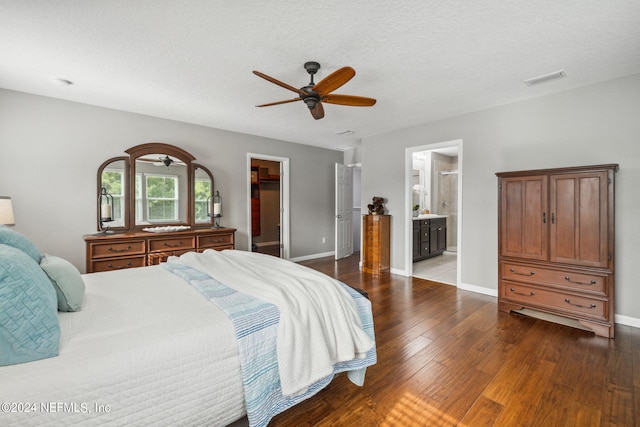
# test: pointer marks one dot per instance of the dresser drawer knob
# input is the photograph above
(578, 305)
(568, 279)
(522, 274)
(530, 294)
(119, 250)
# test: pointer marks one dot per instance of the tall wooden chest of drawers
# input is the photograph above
(556, 243)
(375, 243)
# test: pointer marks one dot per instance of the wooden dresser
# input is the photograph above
(137, 249)
(556, 243)
(375, 243)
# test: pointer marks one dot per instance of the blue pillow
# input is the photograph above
(29, 325)
(19, 241)
(66, 280)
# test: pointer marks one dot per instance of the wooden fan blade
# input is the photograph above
(279, 83)
(334, 80)
(280, 102)
(355, 101)
(318, 111)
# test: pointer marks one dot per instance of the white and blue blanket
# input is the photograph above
(256, 323)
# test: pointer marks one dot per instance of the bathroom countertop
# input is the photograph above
(429, 216)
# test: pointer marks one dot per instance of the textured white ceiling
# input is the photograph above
(422, 60)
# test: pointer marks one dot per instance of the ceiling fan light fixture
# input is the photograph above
(311, 102)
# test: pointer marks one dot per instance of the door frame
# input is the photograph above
(285, 237)
(339, 193)
(408, 195)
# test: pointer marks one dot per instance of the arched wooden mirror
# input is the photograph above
(113, 175)
(157, 185)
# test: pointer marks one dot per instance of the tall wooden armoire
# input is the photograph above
(376, 239)
(556, 243)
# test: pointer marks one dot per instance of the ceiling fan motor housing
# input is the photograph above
(312, 67)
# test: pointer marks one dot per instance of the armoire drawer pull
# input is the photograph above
(568, 279)
(578, 305)
(530, 294)
(522, 274)
(119, 250)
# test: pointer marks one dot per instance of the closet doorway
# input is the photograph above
(268, 204)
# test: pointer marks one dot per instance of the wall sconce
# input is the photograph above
(215, 208)
(105, 208)
(6, 211)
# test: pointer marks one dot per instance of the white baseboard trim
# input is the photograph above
(396, 271)
(312, 256)
(628, 321)
(479, 289)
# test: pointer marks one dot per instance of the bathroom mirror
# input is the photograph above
(156, 185)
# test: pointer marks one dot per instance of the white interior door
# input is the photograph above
(343, 211)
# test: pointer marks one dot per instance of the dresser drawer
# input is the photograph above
(172, 244)
(156, 258)
(217, 248)
(117, 263)
(564, 303)
(557, 278)
(112, 249)
(215, 240)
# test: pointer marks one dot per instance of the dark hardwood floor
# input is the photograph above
(447, 357)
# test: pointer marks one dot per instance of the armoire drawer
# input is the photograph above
(557, 278)
(533, 296)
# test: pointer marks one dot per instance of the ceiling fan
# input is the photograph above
(314, 94)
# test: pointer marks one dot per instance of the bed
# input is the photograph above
(153, 346)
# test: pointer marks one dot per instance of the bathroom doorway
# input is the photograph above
(435, 198)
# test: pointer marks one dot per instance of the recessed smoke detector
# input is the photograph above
(545, 78)
(345, 132)
(61, 82)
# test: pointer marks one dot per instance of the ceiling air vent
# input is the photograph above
(545, 78)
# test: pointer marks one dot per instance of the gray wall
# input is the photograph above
(51, 150)
(596, 124)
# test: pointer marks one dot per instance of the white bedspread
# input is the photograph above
(319, 322)
(146, 349)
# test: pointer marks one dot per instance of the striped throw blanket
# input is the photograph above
(256, 327)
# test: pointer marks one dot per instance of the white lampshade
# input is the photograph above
(6, 211)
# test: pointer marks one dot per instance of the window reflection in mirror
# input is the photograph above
(114, 181)
(161, 184)
(202, 191)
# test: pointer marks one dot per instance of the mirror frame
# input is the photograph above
(193, 194)
(101, 169)
(129, 196)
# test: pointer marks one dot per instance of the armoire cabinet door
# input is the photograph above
(524, 222)
(579, 206)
